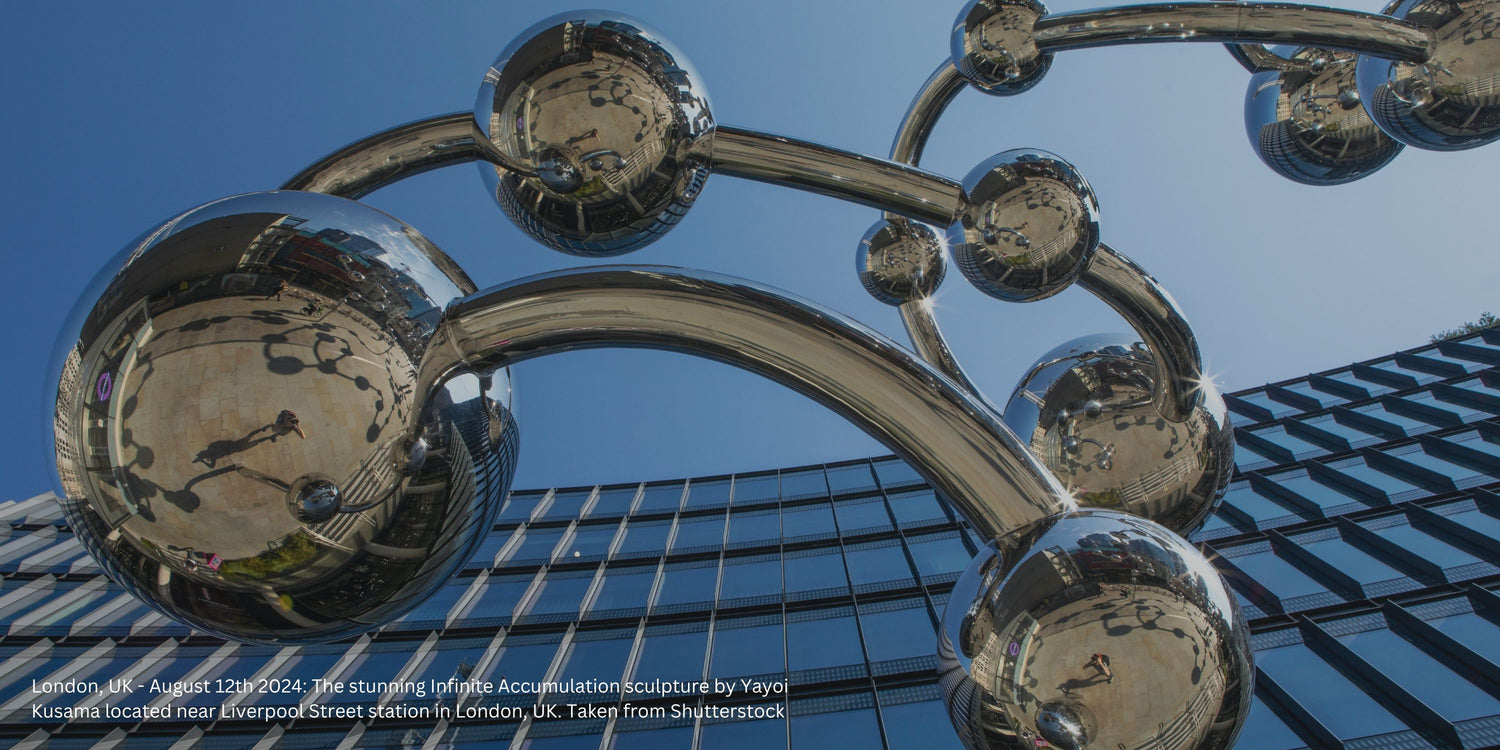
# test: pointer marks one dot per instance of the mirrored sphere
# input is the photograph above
(1084, 409)
(1026, 619)
(240, 437)
(1451, 102)
(900, 260)
(1028, 227)
(603, 129)
(994, 45)
(1309, 125)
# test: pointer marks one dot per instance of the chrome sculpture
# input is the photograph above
(332, 507)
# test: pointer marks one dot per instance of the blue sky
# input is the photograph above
(119, 115)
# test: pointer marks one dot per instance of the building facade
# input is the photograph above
(1361, 534)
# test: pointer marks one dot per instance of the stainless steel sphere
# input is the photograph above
(1023, 624)
(1309, 125)
(994, 45)
(1085, 410)
(1451, 102)
(1028, 227)
(900, 260)
(601, 133)
(242, 438)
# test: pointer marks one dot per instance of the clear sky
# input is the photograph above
(119, 115)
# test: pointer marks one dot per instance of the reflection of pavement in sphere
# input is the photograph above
(218, 374)
(609, 118)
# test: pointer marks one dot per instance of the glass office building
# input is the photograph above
(1361, 533)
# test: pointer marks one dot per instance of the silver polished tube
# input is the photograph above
(1152, 312)
(946, 434)
(1267, 23)
(390, 156)
(873, 182)
(927, 338)
(923, 112)
(1255, 58)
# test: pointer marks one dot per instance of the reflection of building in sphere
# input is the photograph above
(602, 131)
(1309, 124)
(263, 354)
(1021, 625)
(994, 45)
(1085, 410)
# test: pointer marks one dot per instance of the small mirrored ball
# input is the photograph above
(1451, 101)
(1028, 227)
(1085, 410)
(598, 131)
(900, 260)
(1309, 124)
(994, 45)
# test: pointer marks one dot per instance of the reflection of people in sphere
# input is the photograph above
(1101, 663)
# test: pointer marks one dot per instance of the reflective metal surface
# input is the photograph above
(950, 437)
(1266, 23)
(900, 260)
(244, 389)
(1451, 101)
(1309, 124)
(604, 129)
(994, 45)
(923, 112)
(1025, 620)
(1085, 410)
(1028, 226)
(877, 183)
(391, 156)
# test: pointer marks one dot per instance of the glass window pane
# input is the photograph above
(894, 472)
(1260, 508)
(625, 588)
(661, 498)
(536, 545)
(744, 651)
(877, 564)
(520, 506)
(561, 592)
(614, 501)
(806, 520)
(1478, 521)
(847, 728)
(1454, 471)
(756, 488)
(484, 557)
(761, 526)
(916, 506)
(757, 576)
(1472, 630)
(645, 537)
(691, 583)
(761, 734)
(590, 540)
(1410, 424)
(823, 569)
(939, 555)
(844, 480)
(829, 642)
(1264, 729)
(1352, 561)
(709, 494)
(1434, 684)
(1309, 488)
(1297, 446)
(917, 726)
(1328, 423)
(898, 634)
(525, 660)
(1277, 409)
(1304, 388)
(861, 516)
(675, 656)
(1347, 376)
(800, 484)
(567, 505)
(1279, 576)
(1380, 480)
(1427, 546)
(699, 531)
(1340, 705)
(602, 659)
(671, 738)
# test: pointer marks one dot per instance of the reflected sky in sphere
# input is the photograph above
(124, 115)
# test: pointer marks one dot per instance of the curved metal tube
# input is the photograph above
(390, 156)
(1255, 58)
(873, 182)
(1113, 278)
(951, 438)
(1152, 312)
(1235, 23)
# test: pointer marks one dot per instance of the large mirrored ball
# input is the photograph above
(1451, 102)
(900, 260)
(1028, 227)
(600, 131)
(994, 45)
(1094, 629)
(1085, 410)
(246, 436)
(1309, 125)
